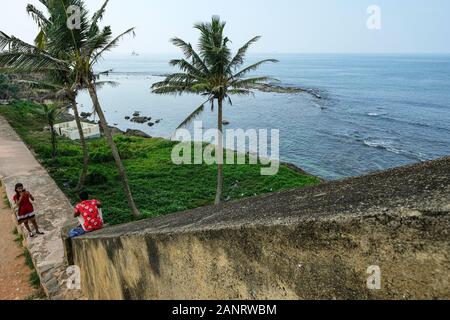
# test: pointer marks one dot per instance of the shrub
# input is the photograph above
(96, 177)
(7, 89)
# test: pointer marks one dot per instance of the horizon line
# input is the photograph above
(304, 52)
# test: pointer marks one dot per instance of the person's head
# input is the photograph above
(18, 188)
(84, 196)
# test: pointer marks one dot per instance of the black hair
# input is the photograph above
(19, 185)
(84, 196)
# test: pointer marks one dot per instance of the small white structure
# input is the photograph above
(70, 130)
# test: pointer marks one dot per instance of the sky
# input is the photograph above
(287, 26)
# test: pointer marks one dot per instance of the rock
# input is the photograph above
(137, 133)
(115, 131)
(140, 119)
(65, 117)
(158, 121)
(285, 89)
(85, 115)
(151, 124)
(136, 114)
(127, 118)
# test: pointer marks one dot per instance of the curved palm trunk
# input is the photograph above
(115, 151)
(83, 174)
(53, 133)
(219, 155)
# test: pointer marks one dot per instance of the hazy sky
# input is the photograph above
(286, 25)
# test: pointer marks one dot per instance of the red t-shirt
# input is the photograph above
(89, 217)
(25, 206)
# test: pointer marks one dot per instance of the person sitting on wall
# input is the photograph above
(89, 215)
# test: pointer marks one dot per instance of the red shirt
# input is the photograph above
(89, 216)
(25, 206)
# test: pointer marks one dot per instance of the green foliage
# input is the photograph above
(96, 177)
(159, 186)
(7, 89)
(34, 280)
(6, 202)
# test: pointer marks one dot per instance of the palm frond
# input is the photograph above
(193, 116)
(40, 40)
(30, 62)
(241, 92)
(37, 15)
(252, 67)
(99, 14)
(13, 44)
(39, 84)
(111, 45)
(173, 89)
(187, 67)
(249, 83)
(238, 59)
(190, 53)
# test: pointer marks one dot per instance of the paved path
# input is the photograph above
(17, 164)
(14, 274)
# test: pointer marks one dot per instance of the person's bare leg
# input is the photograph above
(27, 226)
(35, 225)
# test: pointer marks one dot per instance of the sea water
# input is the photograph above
(376, 112)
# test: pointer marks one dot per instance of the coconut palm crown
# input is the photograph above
(214, 73)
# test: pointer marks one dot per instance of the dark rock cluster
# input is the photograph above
(138, 118)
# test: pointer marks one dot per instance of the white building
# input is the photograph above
(70, 130)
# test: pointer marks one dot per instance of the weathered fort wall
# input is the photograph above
(314, 243)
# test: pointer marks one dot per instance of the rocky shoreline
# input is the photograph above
(283, 89)
(272, 88)
(66, 116)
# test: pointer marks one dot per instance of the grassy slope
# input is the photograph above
(159, 186)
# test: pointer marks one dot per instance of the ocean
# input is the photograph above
(376, 112)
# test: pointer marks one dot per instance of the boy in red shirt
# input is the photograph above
(88, 214)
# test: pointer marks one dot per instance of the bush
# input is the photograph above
(7, 89)
(96, 177)
(101, 156)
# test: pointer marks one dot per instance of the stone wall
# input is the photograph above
(314, 243)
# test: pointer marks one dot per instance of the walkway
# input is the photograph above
(17, 164)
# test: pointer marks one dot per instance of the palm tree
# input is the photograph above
(56, 81)
(63, 82)
(51, 113)
(84, 47)
(77, 52)
(212, 72)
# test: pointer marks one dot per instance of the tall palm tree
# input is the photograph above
(64, 82)
(57, 81)
(212, 72)
(75, 51)
(83, 47)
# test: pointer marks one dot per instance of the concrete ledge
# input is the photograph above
(314, 243)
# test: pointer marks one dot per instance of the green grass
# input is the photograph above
(159, 186)
(6, 202)
(34, 279)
